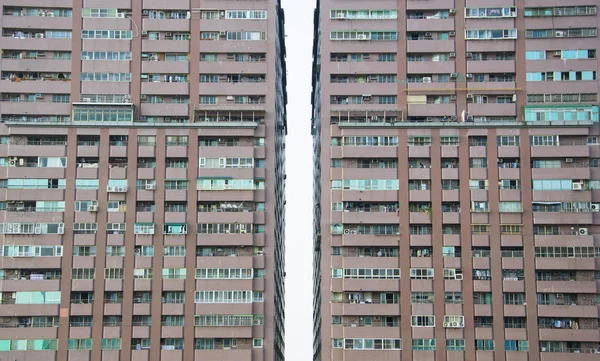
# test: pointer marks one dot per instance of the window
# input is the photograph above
(544, 140)
(363, 35)
(561, 11)
(84, 251)
(224, 273)
(83, 273)
(38, 298)
(514, 298)
(484, 345)
(516, 345)
(365, 184)
(28, 345)
(115, 77)
(106, 55)
(111, 343)
(423, 344)
(224, 297)
(370, 344)
(421, 273)
(174, 273)
(490, 34)
(507, 140)
(423, 321)
(247, 35)
(208, 99)
(510, 207)
(419, 140)
(114, 273)
(491, 12)
(363, 14)
(455, 345)
(106, 34)
(367, 273)
(177, 140)
(98, 13)
(560, 33)
(142, 273)
(79, 344)
(176, 184)
(246, 14)
(174, 251)
(257, 343)
(85, 228)
(449, 140)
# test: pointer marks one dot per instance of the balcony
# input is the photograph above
(563, 151)
(36, 87)
(566, 172)
(42, 65)
(35, 108)
(491, 66)
(581, 335)
(562, 218)
(430, 25)
(163, 46)
(430, 46)
(171, 25)
(165, 67)
(167, 109)
(499, 86)
(575, 311)
(565, 264)
(160, 88)
(493, 109)
(431, 110)
(234, 88)
(37, 44)
(431, 67)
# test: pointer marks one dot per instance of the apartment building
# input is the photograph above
(457, 186)
(142, 174)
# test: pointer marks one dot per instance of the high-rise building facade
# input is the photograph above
(142, 180)
(457, 185)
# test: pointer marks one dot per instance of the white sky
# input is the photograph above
(298, 313)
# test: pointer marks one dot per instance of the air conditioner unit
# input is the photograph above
(144, 32)
(455, 324)
(362, 37)
(366, 97)
(593, 350)
(93, 208)
(583, 231)
(452, 55)
(559, 34)
(120, 15)
(577, 186)
(168, 34)
(428, 35)
(469, 76)
(86, 100)
(111, 188)
(452, 11)
(557, 53)
(339, 16)
(568, 160)
(426, 79)
(222, 13)
(150, 186)
(458, 277)
(122, 189)
(469, 54)
(543, 349)
(452, 33)
(447, 324)
(222, 33)
(469, 96)
(230, 98)
(61, 228)
(143, 96)
(595, 207)
(452, 97)
(145, 12)
(21, 161)
(454, 75)
(39, 96)
(37, 229)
